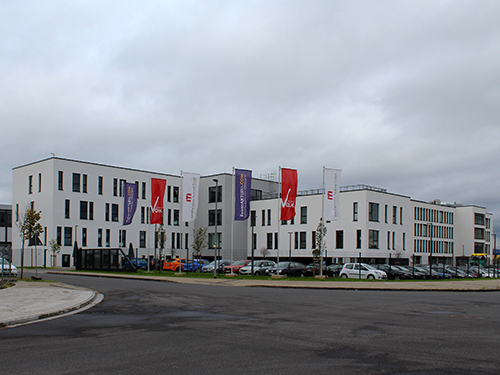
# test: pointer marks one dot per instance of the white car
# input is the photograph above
(7, 268)
(363, 271)
(259, 267)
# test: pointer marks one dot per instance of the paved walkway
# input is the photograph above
(28, 302)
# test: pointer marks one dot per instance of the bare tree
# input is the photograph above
(29, 228)
(264, 251)
(200, 241)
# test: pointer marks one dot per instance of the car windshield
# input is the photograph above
(369, 267)
(283, 264)
(239, 263)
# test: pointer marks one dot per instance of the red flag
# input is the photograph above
(157, 194)
(288, 193)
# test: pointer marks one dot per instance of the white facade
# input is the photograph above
(82, 201)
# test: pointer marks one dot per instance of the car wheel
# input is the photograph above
(370, 277)
(344, 276)
(257, 273)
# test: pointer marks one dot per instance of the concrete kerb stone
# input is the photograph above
(481, 285)
(29, 302)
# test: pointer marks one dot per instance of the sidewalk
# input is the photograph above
(29, 302)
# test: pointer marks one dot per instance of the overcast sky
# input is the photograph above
(402, 95)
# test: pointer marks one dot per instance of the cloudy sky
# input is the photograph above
(398, 94)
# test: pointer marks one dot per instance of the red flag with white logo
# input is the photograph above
(331, 199)
(157, 197)
(288, 193)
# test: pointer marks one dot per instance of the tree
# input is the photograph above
(55, 248)
(29, 228)
(200, 241)
(320, 244)
(161, 239)
(264, 251)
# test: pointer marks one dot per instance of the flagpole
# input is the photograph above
(279, 218)
(181, 218)
(322, 225)
(233, 188)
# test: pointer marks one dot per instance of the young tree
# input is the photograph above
(200, 241)
(29, 228)
(161, 239)
(320, 243)
(264, 251)
(55, 248)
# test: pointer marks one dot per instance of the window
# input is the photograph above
(106, 212)
(373, 239)
(59, 236)
(143, 190)
(211, 240)
(142, 238)
(276, 240)
(296, 238)
(76, 182)
(84, 210)
(269, 241)
(373, 212)
(108, 237)
(143, 215)
(401, 215)
(30, 184)
(303, 240)
(176, 217)
(100, 182)
(175, 195)
(339, 239)
(478, 219)
(263, 217)
(254, 241)
(66, 209)
(211, 217)
(84, 236)
(84, 183)
(388, 240)
(255, 194)
(268, 217)
(212, 194)
(358, 238)
(169, 193)
(122, 237)
(478, 233)
(68, 236)
(404, 241)
(253, 218)
(60, 185)
(386, 213)
(99, 237)
(91, 210)
(114, 212)
(169, 216)
(355, 211)
(122, 187)
(393, 240)
(39, 182)
(394, 215)
(303, 215)
(313, 242)
(186, 241)
(115, 187)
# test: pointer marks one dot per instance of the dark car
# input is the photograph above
(291, 269)
(416, 273)
(394, 272)
(313, 270)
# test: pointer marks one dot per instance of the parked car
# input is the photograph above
(139, 263)
(363, 271)
(335, 269)
(394, 272)
(235, 267)
(199, 264)
(174, 264)
(312, 269)
(220, 266)
(259, 267)
(416, 273)
(290, 269)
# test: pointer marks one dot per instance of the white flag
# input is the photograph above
(190, 187)
(331, 199)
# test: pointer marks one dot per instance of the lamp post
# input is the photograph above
(430, 249)
(216, 242)
(290, 246)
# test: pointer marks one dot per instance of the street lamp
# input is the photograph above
(216, 244)
(290, 246)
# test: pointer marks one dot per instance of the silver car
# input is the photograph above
(259, 267)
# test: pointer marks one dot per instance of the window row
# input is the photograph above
(266, 217)
(437, 247)
(435, 231)
(433, 215)
(374, 213)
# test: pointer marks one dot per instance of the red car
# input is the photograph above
(236, 266)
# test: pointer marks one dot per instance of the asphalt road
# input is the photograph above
(145, 327)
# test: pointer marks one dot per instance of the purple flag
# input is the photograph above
(130, 203)
(242, 191)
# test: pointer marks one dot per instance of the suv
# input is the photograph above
(363, 271)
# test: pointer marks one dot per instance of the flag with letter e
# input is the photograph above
(331, 198)
(289, 182)
(242, 193)
(129, 203)
(190, 187)
(157, 195)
